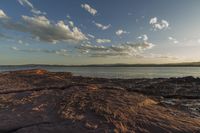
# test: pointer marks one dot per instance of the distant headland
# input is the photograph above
(184, 64)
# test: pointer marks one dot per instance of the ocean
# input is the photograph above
(117, 72)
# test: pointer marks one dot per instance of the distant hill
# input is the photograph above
(184, 64)
(188, 64)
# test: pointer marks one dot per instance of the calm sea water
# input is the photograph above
(119, 72)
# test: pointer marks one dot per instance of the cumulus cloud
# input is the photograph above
(89, 9)
(144, 37)
(2, 14)
(120, 32)
(159, 25)
(100, 41)
(62, 52)
(173, 40)
(28, 4)
(101, 26)
(42, 28)
(128, 49)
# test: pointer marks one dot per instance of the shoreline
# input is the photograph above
(121, 73)
(38, 100)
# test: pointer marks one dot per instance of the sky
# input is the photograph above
(78, 32)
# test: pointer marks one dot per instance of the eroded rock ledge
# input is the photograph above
(38, 101)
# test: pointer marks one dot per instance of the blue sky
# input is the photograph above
(99, 31)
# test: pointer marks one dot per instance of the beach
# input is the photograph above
(42, 101)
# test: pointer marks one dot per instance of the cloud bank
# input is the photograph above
(123, 50)
(62, 52)
(42, 28)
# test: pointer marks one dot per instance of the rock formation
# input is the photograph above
(38, 101)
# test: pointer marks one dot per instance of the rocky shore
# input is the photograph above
(38, 101)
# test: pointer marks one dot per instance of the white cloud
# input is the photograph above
(100, 41)
(120, 32)
(20, 42)
(43, 29)
(89, 9)
(125, 50)
(153, 20)
(170, 38)
(164, 23)
(2, 14)
(14, 48)
(68, 17)
(91, 36)
(173, 40)
(130, 14)
(143, 37)
(161, 56)
(28, 4)
(159, 25)
(62, 52)
(198, 40)
(190, 42)
(101, 26)
(71, 23)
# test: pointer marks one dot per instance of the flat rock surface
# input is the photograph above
(37, 101)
